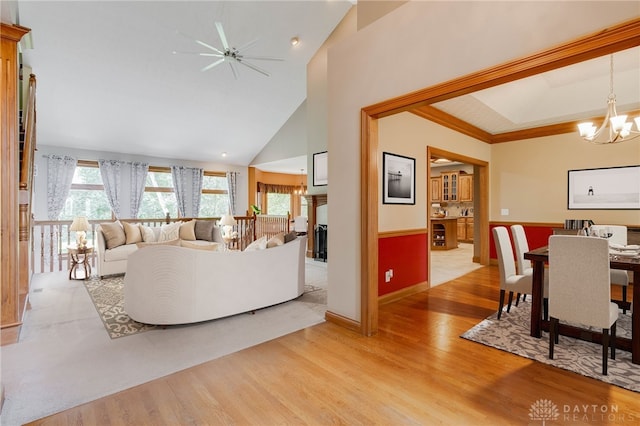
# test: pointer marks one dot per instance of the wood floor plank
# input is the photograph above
(415, 370)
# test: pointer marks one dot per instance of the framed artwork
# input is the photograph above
(612, 188)
(320, 169)
(398, 179)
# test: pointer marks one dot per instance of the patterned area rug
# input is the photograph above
(511, 334)
(107, 297)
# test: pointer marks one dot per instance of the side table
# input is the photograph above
(79, 258)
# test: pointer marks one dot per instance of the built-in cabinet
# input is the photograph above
(436, 189)
(449, 186)
(465, 229)
(465, 188)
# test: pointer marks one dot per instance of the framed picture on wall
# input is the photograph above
(320, 169)
(612, 188)
(398, 179)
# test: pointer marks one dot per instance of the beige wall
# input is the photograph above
(289, 142)
(371, 10)
(414, 47)
(529, 178)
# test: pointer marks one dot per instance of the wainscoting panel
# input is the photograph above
(406, 254)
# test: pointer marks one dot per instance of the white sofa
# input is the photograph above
(113, 261)
(177, 285)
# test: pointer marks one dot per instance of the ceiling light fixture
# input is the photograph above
(619, 128)
(295, 41)
(302, 189)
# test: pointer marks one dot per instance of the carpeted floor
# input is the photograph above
(64, 357)
(511, 334)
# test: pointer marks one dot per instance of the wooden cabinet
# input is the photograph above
(444, 235)
(465, 188)
(436, 189)
(465, 229)
(449, 186)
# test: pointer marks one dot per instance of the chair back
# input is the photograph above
(579, 280)
(618, 232)
(506, 263)
(522, 246)
(300, 224)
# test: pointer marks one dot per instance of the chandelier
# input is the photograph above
(302, 189)
(618, 126)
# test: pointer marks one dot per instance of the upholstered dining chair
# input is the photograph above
(509, 280)
(580, 289)
(524, 267)
(618, 236)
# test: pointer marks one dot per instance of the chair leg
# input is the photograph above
(545, 308)
(552, 335)
(605, 350)
(501, 303)
(524, 297)
(510, 300)
(624, 297)
(517, 299)
(612, 341)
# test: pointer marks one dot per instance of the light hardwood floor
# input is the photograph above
(416, 370)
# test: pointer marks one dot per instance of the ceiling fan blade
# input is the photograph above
(255, 68)
(213, 64)
(234, 70)
(223, 38)
(247, 46)
(202, 43)
(262, 58)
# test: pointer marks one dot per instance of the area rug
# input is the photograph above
(511, 334)
(107, 296)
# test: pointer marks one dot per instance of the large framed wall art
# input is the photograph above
(611, 188)
(398, 179)
(320, 169)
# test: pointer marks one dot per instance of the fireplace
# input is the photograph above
(320, 243)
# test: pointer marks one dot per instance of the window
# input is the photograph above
(158, 198)
(86, 196)
(278, 204)
(214, 201)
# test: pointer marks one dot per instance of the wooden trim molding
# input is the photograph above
(403, 233)
(343, 321)
(400, 294)
(606, 41)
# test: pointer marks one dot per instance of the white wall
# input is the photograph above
(40, 181)
(415, 46)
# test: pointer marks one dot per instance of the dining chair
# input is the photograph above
(524, 267)
(509, 280)
(580, 289)
(618, 236)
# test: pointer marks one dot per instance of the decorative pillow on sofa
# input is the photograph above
(259, 244)
(276, 240)
(187, 230)
(175, 242)
(290, 237)
(113, 234)
(169, 232)
(132, 233)
(200, 245)
(148, 236)
(204, 229)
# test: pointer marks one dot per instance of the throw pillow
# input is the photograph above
(175, 242)
(132, 233)
(204, 230)
(148, 236)
(205, 246)
(169, 232)
(113, 234)
(217, 234)
(187, 230)
(276, 240)
(290, 237)
(259, 244)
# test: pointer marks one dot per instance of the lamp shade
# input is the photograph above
(228, 220)
(80, 223)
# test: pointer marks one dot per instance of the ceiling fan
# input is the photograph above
(229, 54)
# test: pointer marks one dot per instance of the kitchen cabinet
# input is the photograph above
(465, 229)
(436, 189)
(444, 234)
(465, 188)
(449, 186)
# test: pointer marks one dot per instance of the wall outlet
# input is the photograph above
(504, 212)
(387, 275)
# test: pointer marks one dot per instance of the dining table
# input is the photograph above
(540, 257)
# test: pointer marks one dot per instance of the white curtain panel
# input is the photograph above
(110, 172)
(60, 172)
(196, 190)
(232, 178)
(187, 184)
(138, 180)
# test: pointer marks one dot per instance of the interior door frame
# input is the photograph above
(604, 42)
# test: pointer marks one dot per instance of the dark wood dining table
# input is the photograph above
(540, 256)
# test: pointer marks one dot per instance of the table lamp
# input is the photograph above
(80, 225)
(228, 222)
